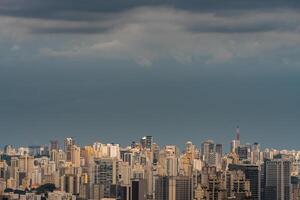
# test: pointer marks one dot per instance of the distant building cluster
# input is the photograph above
(144, 171)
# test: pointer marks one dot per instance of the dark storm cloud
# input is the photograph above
(83, 10)
(54, 8)
(278, 23)
(101, 16)
(246, 27)
(68, 9)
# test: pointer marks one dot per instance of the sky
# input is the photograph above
(114, 71)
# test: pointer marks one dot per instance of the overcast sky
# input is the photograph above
(114, 71)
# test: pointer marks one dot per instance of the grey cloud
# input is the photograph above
(83, 10)
(242, 28)
(72, 30)
(141, 33)
(100, 16)
(68, 9)
(143, 36)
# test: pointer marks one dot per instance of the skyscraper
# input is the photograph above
(75, 155)
(146, 141)
(244, 152)
(219, 154)
(255, 153)
(236, 142)
(252, 173)
(277, 179)
(208, 151)
(106, 173)
(173, 188)
(138, 189)
(68, 143)
(143, 142)
(149, 141)
(219, 149)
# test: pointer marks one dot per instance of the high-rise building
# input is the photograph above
(35, 150)
(168, 161)
(146, 141)
(143, 142)
(138, 189)
(189, 147)
(255, 154)
(173, 188)
(84, 191)
(219, 154)
(70, 183)
(8, 149)
(219, 149)
(68, 143)
(277, 179)
(236, 142)
(149, 141)
(155, 151)
(183, 187)
(208, 151)
(237, 185)
(75, 156)
(171, 166)
(106, 173)
(97, 192)
(252, 173)
(244, 152)
(54, 145)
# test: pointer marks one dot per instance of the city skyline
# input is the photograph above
(236, 134)
(226, 146)
(143, 170)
